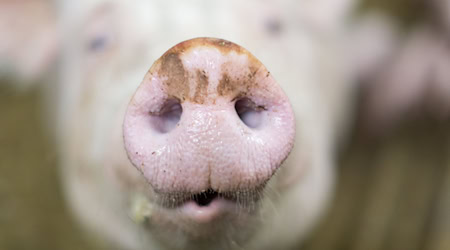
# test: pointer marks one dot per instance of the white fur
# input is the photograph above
(97, 80)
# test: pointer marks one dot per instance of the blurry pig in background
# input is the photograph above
(224, 181)
(406, 72)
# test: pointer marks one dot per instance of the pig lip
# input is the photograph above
(201, 208)
(203, 214)
(242, 198)
(209, 206)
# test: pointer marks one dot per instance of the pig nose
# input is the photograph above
(208, 116)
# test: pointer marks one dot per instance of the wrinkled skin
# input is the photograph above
(268, 200)
(209, 162)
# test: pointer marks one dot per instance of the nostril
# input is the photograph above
(168, 117)
(249, 113)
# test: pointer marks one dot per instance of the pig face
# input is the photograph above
(210, 83)
(208, 129)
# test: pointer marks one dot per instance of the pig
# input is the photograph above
(219, 128)
(404, 73)
(214, 146)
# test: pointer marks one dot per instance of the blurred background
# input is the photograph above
(393, 187)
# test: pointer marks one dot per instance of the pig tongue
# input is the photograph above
(208, 115)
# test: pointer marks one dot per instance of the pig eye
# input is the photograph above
(249, 113)
(168, 117)
(98, 43)
(273, 26)
(101, 29)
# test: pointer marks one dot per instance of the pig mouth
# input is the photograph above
(242, 199)
(210, 206)
(205, 198)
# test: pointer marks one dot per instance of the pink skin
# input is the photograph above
(205, 214)
(208, 116)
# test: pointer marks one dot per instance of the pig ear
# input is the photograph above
(29, 43)
(325, 14)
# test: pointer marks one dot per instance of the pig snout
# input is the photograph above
(208, 122)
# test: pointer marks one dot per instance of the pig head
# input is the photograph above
(208, 128)
(196, 156)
